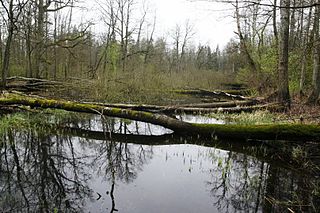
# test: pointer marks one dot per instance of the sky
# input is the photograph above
(212, 22)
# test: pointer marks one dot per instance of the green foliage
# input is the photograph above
(12, 121)
(16, 69)
(269, 60)
(294, 71)
(113, 54)
(265, 78)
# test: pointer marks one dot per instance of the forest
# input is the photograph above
(275, 50)
(89, 110)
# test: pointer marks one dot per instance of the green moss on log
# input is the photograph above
(263, 132)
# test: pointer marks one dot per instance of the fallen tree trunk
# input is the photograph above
(221, 104)
(31, 84)
(143, 107)
(33, 80)
(297, 132)
(234, 86)
(230, 107)
(214, 94)
(189, 110)
(242, 92)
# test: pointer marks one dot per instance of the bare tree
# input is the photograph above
(314, 96)
(181, 38)
(43, 8)
(243, 42)
(283, 77)
(13, 10)
(305, 40)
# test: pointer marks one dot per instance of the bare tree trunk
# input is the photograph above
(150, 40)
(292, 27)
(40, 38)
(305, 41)
(6, 58)
(28, 35)
(68, 62)
(243, 44)
(275, 29)
(127, 35)
(314, 96)
(283, 79)
(188, 33)
(140, 29)
(7, 51)
(55, 65)
(1, 44)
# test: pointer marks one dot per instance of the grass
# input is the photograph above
(254, 118)
(27, 120)
(12, 120)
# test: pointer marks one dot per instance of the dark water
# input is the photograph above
(83, 170)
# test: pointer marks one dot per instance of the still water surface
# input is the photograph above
(41, 171)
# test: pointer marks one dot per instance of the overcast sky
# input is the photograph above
(213, 24)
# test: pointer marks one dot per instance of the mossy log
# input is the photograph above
(297, 132)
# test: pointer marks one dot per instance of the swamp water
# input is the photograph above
(143, 168)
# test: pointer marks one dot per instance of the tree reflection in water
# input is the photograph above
(118, 161)
(246, 184)
(42, 171)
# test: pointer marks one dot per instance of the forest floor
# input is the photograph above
(303, 113)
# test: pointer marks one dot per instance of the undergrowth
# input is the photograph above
(257, 117)
(143, 86)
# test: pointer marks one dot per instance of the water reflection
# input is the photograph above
(41, 173)
(84, 169)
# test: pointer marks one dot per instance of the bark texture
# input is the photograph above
(283, 78)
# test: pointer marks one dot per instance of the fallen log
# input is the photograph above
(32, 80)
(296, 132)
(234, 86)
(274, 107)
(230, 107)
(221, 104)
(214, 94)
(31, 84)
(242, 92)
